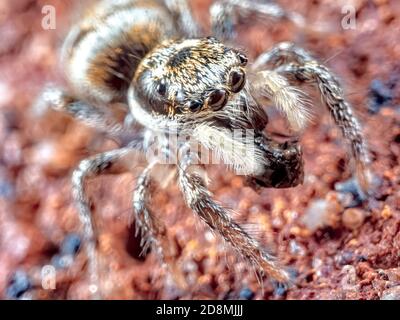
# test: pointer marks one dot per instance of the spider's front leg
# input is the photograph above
(298, 65)
(200, 200)
(109, 161)
(151, 229)
(226, 14)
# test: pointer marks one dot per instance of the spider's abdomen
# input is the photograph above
(101, 53)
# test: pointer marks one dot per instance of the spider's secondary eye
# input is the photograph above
(195, 106)
(243, 59)
(162, 88)
(237, 81)
(217, 99)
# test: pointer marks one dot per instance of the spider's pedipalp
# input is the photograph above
(287, 98)
(100, 118)
(200, 200)
(225, 15)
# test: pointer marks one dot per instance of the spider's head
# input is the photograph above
(190, 77)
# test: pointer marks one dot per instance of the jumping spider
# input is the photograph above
(151, 56)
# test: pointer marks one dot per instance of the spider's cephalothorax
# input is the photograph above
(152, 56)
(187, 78)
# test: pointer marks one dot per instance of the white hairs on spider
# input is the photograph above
(287, 98)
(237, 151)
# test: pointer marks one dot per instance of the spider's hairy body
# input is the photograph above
(152, 56)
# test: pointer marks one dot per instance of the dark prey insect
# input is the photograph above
(152, 56)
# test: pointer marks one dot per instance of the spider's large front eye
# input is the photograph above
(162, 88)
(195, 106)
(237, 79)
(217, 99)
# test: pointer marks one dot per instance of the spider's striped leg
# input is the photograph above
(181, 10)
(226, 14)
(151, 229)
(200, 200)
(93, 116)
(109, 161)
(298, 65)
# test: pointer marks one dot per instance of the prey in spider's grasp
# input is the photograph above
(153, 57)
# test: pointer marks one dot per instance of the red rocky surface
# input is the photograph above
(335, 253)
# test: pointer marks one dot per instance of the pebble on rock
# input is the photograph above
(353, 218)
(18, 285)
